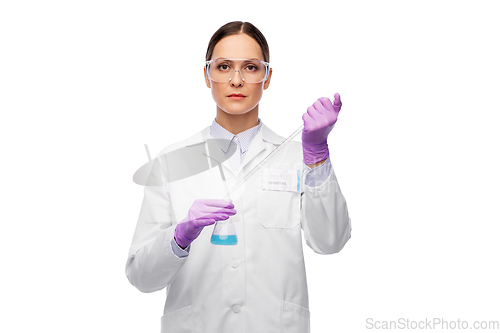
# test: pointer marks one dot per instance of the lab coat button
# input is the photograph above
(235, 263)
(236, 308)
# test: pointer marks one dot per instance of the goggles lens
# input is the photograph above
(223, 70)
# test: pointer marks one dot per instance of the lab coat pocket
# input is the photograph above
(278, 209)
(294, 318)
(178, 321)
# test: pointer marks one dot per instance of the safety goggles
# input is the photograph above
(250, 70)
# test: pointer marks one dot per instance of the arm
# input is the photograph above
(324, 216)
(152, 263)
(161, 245)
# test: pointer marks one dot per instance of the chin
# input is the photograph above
(236, 112)
(238, 109)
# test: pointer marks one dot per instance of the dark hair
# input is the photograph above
(235, 28)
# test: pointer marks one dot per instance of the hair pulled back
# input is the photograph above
(235, 28)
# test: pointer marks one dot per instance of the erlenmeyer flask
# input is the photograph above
(224, 233)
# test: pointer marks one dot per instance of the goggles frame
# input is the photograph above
(207, 66)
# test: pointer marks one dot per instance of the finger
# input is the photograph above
(306, 118)
(215, 216)
(326, 103)
(323, 114)
(227, 211)
(312, 112)
(201, 223)
(309, 122)
(218, 215)
(217, 203)
(319, 107)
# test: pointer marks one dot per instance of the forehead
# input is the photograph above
(239, 46)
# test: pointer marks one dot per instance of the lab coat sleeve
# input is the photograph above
(318, 175)
(324, 216)
(178, 250)
(152, 263)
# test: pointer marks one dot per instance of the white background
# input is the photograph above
(84, 84)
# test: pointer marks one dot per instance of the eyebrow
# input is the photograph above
(244, 59)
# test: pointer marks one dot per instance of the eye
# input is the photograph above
(252, 68)
(223, 67)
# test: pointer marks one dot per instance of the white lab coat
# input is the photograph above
(258, 285)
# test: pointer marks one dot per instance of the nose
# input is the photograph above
(236, 81)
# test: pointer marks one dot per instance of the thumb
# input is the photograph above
(337, 103)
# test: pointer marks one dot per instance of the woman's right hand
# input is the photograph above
(203, 212)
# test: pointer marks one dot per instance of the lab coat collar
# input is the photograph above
(245, 137)
(264, 134)
(256, 147)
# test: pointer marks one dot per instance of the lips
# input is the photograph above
(236, 95)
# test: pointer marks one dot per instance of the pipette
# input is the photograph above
(258, 166)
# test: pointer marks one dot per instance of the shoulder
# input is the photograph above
(271, 136)
(193, 139)
(292, 148)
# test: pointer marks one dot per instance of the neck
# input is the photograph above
(237, 123)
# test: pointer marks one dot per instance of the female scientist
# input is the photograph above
(259, 284)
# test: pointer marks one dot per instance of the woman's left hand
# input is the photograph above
(319, 121)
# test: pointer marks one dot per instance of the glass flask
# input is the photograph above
(224, 233)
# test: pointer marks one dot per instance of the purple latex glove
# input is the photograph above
(203, 212)
(318, 123)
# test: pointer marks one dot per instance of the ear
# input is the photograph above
(266, 83)
(207, 81)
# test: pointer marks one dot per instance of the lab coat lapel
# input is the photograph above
(258, 149)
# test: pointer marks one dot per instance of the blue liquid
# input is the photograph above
(224, 239)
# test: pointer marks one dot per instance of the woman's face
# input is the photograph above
(239, 46)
